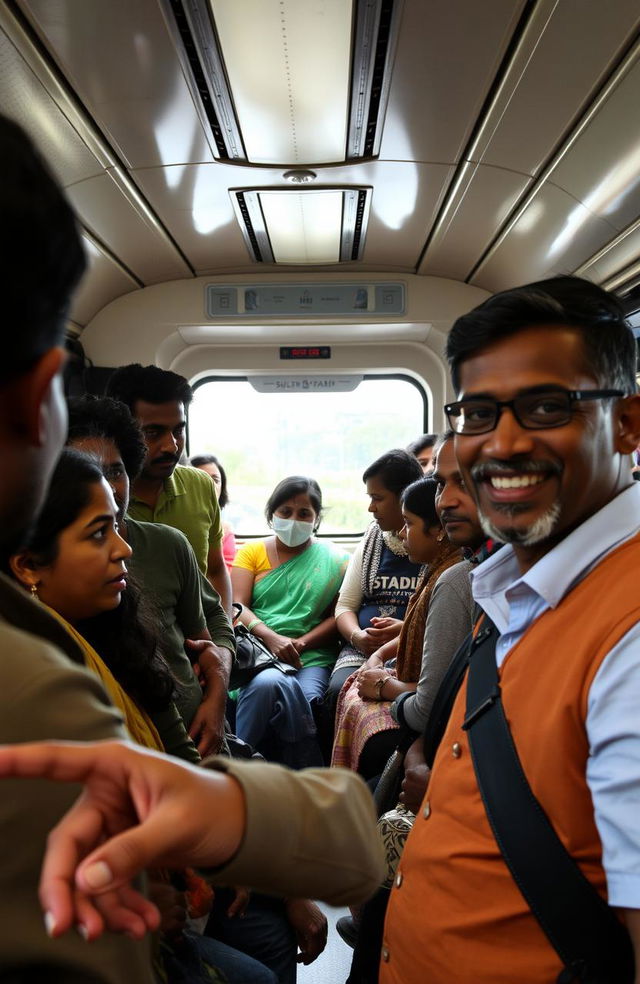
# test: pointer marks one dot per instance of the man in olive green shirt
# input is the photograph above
(165, 492)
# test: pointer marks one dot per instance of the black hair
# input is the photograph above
(610, 351)
(422, 442)
(441, 440)
(210, 459)
(125, 637)
(290, 487)
(396, 469)
(102, 417)
(41, 254)
(419, 498)
(149, 383)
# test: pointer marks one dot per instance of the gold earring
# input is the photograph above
(34, 592)
(440, 536)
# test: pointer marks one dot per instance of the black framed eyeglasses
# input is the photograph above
(537, 410)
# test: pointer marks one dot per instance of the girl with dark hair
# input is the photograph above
(380, 578)
(291, 581)
(364, 705)
(213, 467)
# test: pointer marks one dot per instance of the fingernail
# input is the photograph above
(49, 924)
(98, 875)
(83, 931)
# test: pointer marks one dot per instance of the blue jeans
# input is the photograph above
(264, 932)
(274, 714)
(237, 967)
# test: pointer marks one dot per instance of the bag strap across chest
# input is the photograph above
(591, 942)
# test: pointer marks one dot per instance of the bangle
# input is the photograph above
(252, 624)
(380, 686)
(351, 638)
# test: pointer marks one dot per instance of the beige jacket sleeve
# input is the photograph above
(43, 695)
(309, 834)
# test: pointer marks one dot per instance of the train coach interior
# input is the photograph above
(298, 197)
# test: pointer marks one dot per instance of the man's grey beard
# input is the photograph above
(540, 530)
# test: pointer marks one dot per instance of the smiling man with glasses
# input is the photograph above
(545, 421)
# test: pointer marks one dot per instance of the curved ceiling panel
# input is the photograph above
(552, 235)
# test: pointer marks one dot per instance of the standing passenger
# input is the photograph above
(166, 492)
(44, 690)
(195, 627)
(212, 466)
(546, 417)
(423, 449)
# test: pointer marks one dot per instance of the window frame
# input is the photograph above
(366, 376)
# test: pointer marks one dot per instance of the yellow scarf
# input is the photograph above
(139, 725)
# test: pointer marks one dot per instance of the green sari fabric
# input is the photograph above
(293, 598)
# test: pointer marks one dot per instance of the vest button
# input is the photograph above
(384, 953)
(456, 749)
(399, 879)
(426, 811)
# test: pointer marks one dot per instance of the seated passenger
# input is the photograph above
(380, 577)
(364, 736)
(291, 581)
(211, 465)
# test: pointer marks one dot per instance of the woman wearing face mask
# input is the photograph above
(288, 585)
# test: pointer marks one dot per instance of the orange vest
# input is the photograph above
(455, 915)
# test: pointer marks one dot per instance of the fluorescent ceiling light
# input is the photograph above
(303, 227)
(325, 225)
(288, 67)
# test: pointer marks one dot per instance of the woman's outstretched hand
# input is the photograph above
(139, 809)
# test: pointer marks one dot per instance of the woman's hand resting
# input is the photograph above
(281, 646)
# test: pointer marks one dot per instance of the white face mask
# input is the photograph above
(292, 532)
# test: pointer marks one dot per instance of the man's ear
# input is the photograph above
(24, 569)
(628, 424)
(26, 401)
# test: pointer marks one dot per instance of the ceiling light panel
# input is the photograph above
(288, 67)
(304, 227)
(326, 225)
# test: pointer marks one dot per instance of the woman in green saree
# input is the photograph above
(288, 585)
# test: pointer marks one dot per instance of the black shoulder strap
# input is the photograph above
(592, 943)
(444, 700)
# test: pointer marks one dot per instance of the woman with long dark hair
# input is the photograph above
(75, 564)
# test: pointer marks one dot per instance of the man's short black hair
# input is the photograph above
(565, 301)
(420, 443)
(396, 469)
(102, 417)
(149, 383)
(41, 254)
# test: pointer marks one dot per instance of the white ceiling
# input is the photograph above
(510, 149)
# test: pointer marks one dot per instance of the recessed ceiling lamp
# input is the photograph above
(289, 81)
(310, 227)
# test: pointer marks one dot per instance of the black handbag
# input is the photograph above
(252, 657)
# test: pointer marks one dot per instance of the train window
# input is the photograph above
(261, 437)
